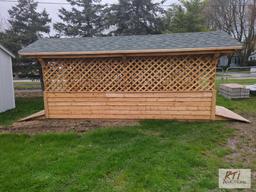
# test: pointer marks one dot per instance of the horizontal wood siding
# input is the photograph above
(175, 105)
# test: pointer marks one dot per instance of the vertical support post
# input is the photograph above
(214, 92)
(213, 108)
(46, 111)
(42, 62)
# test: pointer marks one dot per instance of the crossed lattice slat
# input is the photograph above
(131, 74)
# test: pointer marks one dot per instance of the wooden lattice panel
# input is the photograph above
(130, 74)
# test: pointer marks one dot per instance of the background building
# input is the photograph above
(7, 100)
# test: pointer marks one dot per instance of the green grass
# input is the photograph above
(24, 107)
(155, 156)
(27, 85)
(240, 81)
(238, 105)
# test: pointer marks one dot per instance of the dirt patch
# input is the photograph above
(243, 146)
(29, 93)
(60, 125)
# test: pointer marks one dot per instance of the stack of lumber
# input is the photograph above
(234, 91)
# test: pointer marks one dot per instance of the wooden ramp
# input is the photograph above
(33, 116)
(223, 113)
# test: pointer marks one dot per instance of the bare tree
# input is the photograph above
(237, 18)
(1, 24)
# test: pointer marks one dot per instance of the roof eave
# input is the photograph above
(185, 50)
(7, 51)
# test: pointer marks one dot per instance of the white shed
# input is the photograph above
(7, 100)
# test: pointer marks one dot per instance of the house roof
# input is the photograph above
(176, 42)
(6, 51)
(253, 54)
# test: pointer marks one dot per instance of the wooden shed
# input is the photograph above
(7, 100)
(169, 76)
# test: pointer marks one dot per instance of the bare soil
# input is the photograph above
(43, 125)
(29, 93)
(243, 146)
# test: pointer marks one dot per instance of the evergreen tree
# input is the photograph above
(186, 17)
(136, 17)
(86, 19)
(26, 25)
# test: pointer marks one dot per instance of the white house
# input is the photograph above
(252, 57)
(7, 100)
(235, 61)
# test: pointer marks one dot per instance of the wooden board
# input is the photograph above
(123, 52)
(33, 116)
(223, 113)
(181, 105)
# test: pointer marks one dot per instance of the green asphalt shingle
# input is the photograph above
(128, 43)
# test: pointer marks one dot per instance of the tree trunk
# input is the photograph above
(246, 54)
(229, 61)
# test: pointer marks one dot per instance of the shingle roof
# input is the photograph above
(141, 43)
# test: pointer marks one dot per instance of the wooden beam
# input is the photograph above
(41, 61)
(33, 116)
(132, 52)
(130, 55)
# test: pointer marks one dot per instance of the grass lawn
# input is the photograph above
(238, 105)
(240, 81)
(27, 85)
(24, 107)
(155, 156)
